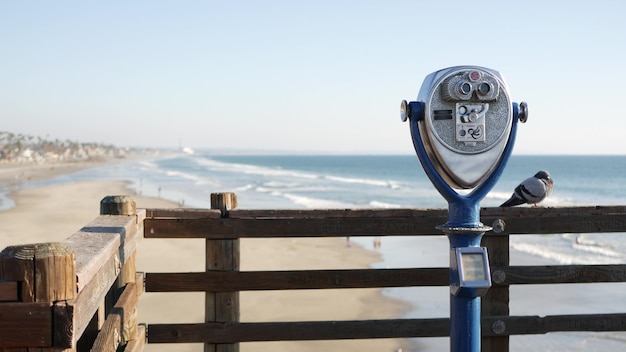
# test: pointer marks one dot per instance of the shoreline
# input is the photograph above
(54, 212)
(14, 174)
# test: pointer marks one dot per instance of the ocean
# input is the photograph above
(398, 181)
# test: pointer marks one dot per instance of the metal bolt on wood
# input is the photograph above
(498, 226)
(498, 327)
(498, 276)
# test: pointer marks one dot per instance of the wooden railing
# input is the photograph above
(223, 226)
(77, 295)
(81, 294)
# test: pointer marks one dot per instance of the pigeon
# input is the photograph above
(532, 190)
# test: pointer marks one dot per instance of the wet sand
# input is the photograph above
(53, 213)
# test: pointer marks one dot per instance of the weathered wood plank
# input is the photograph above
(138, 343)
(533, 212)
(338, 213)
(25, 325)
(183, 213)
(492, 212)
(496, 301)
(562, 274)
(120, 325)
(118, 205)
(8, 291)
(101, 249)
(224, 281)
(224, 202)
(64, 335)
(368, 329)
(17, 264)
(222, 256)
(45, 271)
(55, 273)
(41, 349)
(110, 337)
(73, 316)
(525, 325)
(290, 331)
(104, 237)
(130, 331)
(341, 223)
(228, 228)
(550, 220)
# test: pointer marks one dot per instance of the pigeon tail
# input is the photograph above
(513, 201)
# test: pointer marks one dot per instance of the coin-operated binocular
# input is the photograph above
(464, 119)
(463, 127)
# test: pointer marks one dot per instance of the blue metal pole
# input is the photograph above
(463, 229)
(464, 332)
(464, 308)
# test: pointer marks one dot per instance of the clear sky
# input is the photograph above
(321, 76)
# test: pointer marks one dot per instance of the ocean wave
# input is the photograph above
(595, 249)
(187, 176)
(364, 181)
(281, 184)
(312, 203)
(397, 185)
(266, 190)
(379, 204)
(248, 169)
(148, 164)
(567, 257)
(307, 202)
(582, 243)
(244, 188)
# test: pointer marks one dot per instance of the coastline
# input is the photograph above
(54, 212)
(12, 174)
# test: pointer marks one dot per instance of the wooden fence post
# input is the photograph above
(118, 206)
(45, 272)
(222, 255)
(496, 301)
(121, 206)
(126, 206)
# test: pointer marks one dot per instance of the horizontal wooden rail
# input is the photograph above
(558, 274)
(232, 228)
(228, 281)
(371, 329)
(555, 220)
(375, 222)
(293, 331)
(529, 325)
(186, 213)
(21, 322)
(8, 291)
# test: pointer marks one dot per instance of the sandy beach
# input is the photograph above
(53, 213)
